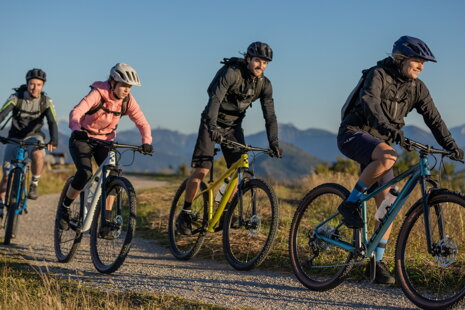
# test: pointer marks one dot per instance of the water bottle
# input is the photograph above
(387, 203)
(221, 191)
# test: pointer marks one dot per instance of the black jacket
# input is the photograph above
(232, 91)
(386, 97)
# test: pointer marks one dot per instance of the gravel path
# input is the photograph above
(151, 268)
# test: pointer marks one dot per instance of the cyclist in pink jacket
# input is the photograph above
(97, 116)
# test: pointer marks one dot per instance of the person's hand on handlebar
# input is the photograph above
(52, 145)
(146, 148)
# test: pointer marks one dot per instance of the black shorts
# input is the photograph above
(205, 147)
(359, 146)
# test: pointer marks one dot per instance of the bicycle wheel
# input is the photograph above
(319, 265)
(110, 238)
(184, 247)
(248, 234)
(12, 218)
(67, 241)
(436, 279)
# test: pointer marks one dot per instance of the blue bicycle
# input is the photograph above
(16, 189)
(430, 249)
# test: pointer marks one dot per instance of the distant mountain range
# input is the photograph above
(303, 149)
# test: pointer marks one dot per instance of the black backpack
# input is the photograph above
(19, 104)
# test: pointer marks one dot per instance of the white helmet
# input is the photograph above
(122, 72)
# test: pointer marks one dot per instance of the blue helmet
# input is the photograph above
(413, 47)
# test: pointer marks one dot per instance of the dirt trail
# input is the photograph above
(151, 268)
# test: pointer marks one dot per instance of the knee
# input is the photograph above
(199, 174)
(81, 177)
(389, 158)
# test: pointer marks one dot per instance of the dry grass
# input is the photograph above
(28, 288)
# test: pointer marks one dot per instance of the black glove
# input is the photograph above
(393, 134)
(215, 134)
(147, 148)
(79, 135)
(277, 151)
(457, 153)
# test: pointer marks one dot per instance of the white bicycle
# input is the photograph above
(112, 227)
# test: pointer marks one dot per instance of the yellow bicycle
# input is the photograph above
(249, 220)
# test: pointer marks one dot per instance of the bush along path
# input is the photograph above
(151, 268)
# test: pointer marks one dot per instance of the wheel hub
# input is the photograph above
(445, 252)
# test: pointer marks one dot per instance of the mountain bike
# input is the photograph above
(16, 189)
(106, 207)
(429, 253)
(249, 221)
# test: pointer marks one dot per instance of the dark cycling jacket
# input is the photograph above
(386, 97)
(28, 119)
(232, 91)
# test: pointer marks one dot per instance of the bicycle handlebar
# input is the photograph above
(115, 145)
(21, 143)
(246, 148)
(409, 144)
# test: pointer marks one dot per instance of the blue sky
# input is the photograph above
(320, 48)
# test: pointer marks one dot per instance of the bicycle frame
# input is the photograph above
(418, 174)
(235, 172)
(21, 161)
(93, 190)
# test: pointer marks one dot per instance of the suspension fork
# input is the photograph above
(426, 214)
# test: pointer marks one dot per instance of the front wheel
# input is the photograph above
(15, 200)
(183, 246)
(433, 279)
(250, 225)
(317, 264)
(111, 237)
(67, 241)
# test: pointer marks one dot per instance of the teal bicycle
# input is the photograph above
(430, 248)
(16, 191)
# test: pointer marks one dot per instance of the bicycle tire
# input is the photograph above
(329, 266)
(249, 237)
(66, 242)
(109, 250)
(12, 218)
(184, 247)
(433, 280)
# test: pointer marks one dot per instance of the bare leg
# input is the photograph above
(3, 186)
(37, 157)
(193, 184)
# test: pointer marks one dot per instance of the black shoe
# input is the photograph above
(63, 218)
(33, 191)
(383, 275)
(106, 232)
(351, 214)
(184, 223)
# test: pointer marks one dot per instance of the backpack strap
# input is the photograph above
(19, 103)
(101, 105)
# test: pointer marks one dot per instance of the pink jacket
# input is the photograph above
(102, 123)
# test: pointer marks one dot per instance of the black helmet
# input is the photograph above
(413, 47)
(260, 49)
(36, 74)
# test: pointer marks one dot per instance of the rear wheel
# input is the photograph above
(111, 237)
(250, 225)
(436, 279)
(66, 241)
(319, 265)
(183, 246)
(15, 200)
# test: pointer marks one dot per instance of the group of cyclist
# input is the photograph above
(372, 120)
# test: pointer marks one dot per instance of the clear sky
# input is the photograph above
(320, 48)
